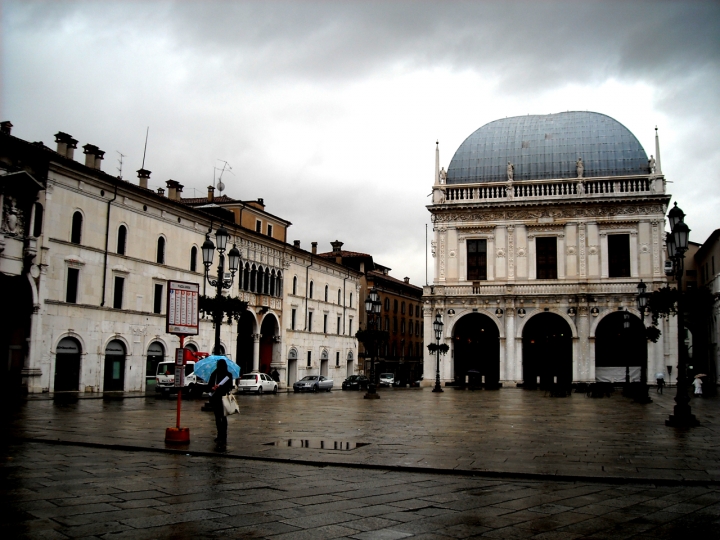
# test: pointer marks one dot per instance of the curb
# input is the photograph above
(394, 468)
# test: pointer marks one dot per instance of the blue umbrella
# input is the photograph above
(205, 367)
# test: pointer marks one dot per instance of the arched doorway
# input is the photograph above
(155, 355)
(324, 357)
(67, 365)
(547, 351)
(617, 348)
(350, 364)
(476, 350)
(114, 380)
(244, 354)
(268, 330)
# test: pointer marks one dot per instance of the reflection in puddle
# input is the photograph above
(317, 444)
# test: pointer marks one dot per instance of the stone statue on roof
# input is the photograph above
(651, 165)
(580, 167)
(443, 176)
(510, 171)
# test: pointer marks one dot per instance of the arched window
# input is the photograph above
(350, 299)
(121, 239)
(294, 285)
(193, 259)
(402, 326)
(339, 297)
(402, 308)
(260, 279)
(76, 232)
(272, 283)
(387, 323)
(395, 305)
(279, 284)
(37, 226)
(266, 287)
(387, 304)
(311, 289)
(253, 279)
(161, 250)
(417, 311)
(326, 293)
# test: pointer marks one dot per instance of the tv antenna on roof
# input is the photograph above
(120, 162)
(226, 167)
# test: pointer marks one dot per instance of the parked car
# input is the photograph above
(387, 379)
(313, 383)
(165, 380)
(356, 382)
(258, 383)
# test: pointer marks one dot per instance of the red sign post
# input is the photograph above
(182, 320)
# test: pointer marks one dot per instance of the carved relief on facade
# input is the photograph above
(521, 252)
(581, 244)
(12, 219)
(571, 250)
(511, 252)
(433, 247)
(656, 247)
(593, 250)
(644, 248)
(555, 213)
(442, 254)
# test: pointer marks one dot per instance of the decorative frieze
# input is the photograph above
(572, 212)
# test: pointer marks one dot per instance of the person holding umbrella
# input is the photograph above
(697, 383)
(221, 383)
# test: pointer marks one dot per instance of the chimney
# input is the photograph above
(161, 192)
(337, 246)
(211, 193)
(174, 189)
(362, 267)
(296, 243)
(66, 145)
(6, 127)
(314, 247)
(406, 279)
(261, 202)
(143, 177)
(93, 156)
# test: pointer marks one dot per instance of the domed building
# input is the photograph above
(544, 225)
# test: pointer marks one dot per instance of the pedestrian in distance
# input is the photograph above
(697, 383)
(221, 383)
(275, 375)
(660, 384)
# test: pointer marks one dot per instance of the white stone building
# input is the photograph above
(543, 228)
(85, 259)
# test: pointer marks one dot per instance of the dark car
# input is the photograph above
(356, 382)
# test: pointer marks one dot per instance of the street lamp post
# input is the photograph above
(437, 327)
(677, 245)
(208, 250)
(372, 308)
(626, 329)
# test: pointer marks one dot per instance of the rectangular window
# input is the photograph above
(157, 298)
(619, 255)
(476, 260)
(258, 226)
(324, 324)
(118, 292)
(338, 325)
(310, 321)
(337, 358)
(546, 257)
(309, 361)
(72, 285)
(350, 328)
(269, 229)
(292, 318)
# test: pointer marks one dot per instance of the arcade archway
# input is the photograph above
(547, 351)
(244, 351)
(476, 350)
(617, 348)
(67, 365)
(268, 331)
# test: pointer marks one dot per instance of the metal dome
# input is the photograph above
(548, 146)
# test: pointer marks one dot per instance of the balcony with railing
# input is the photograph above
(534, 288)
(606, 187)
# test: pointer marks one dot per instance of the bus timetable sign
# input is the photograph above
(182, 308)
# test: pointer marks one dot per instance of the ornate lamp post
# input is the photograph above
(677, 246)
(626, 330)
(437, 327)
(208, 249)
(372, 308)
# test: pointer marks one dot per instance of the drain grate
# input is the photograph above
(316, 444)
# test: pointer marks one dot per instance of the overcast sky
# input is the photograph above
(330, 110)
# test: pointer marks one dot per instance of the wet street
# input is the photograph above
(504, 464)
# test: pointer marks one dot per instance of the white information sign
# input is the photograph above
(182, 307)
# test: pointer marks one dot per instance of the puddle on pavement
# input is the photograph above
(316, 444)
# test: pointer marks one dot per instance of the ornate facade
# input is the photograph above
(537, 262)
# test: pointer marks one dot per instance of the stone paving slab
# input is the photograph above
(510, 432)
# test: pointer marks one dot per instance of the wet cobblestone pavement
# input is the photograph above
(545, 468)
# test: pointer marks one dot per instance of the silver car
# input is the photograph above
(313, 383)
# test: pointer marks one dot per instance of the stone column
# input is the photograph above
(511, 361)
(452, 255)
(634, 254)
(561, 256)
(256, 352)
(532, 257)
(500, 251)
(491, 258)
(462, 258)
(585, 370)
(605, 269)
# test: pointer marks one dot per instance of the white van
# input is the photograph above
(387, 379)
(165, 380)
